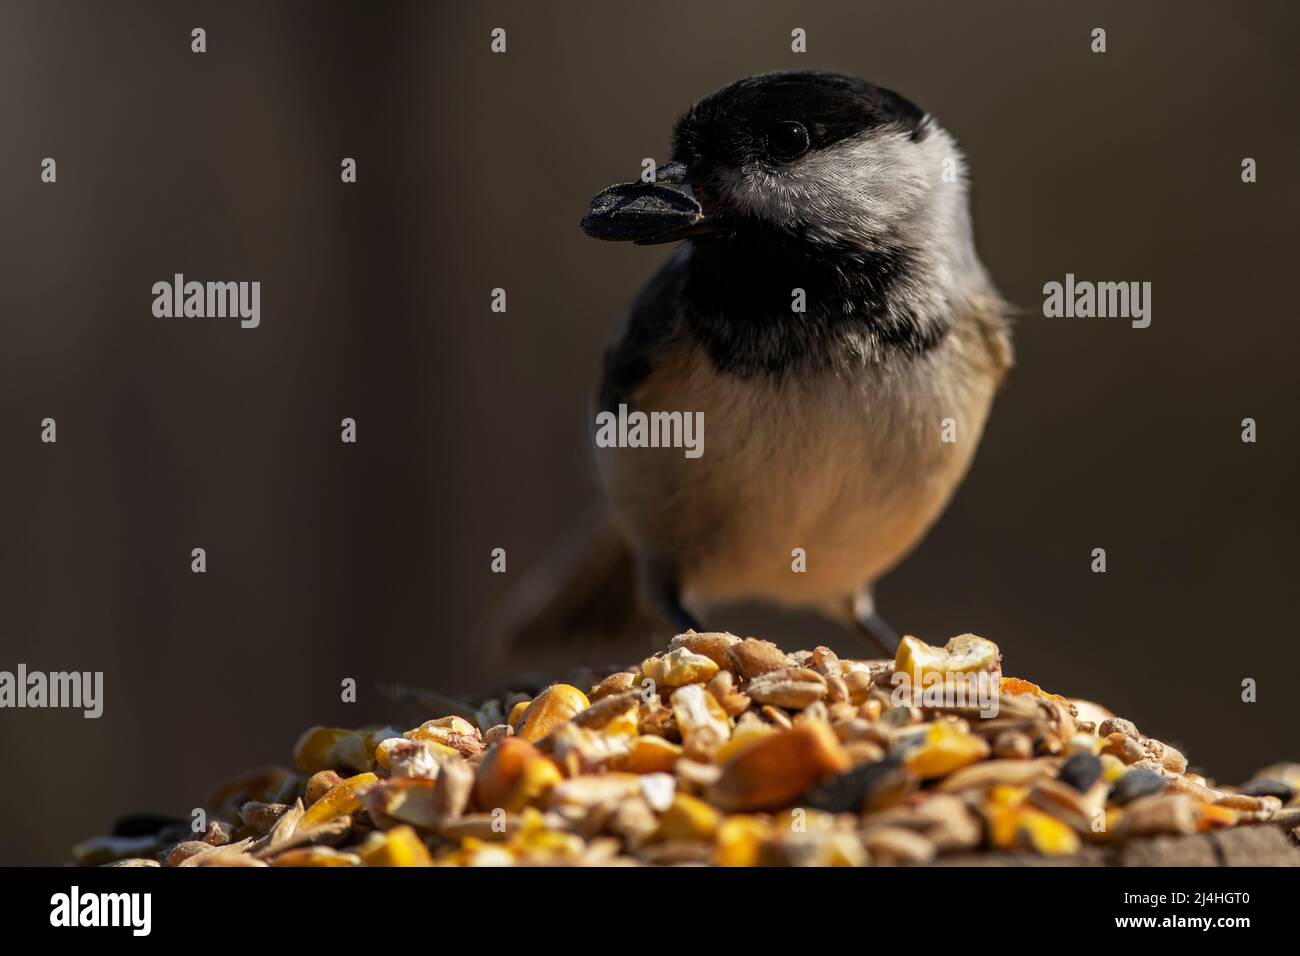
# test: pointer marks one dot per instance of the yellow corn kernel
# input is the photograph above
(624, 724)
(539, 845)
(1004, 795)
(651, 754)
(320, 784)
(688, 818)
(554, 706)
(334, 748)
(1004, 824)
(536, 781)
(740, 839)
(946, 748)
(313, 748)
(516, 712)
(779, 768)
(1013, 823)
(1048, 835)
(747, 732)
(1003, 812)
(513, 774)
(400, 846)
(383, 748)
(342, 799)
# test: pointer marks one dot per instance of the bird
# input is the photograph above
(827, 317)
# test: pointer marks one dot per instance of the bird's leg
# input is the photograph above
(875, 627)
(664, 591)
(670, 603)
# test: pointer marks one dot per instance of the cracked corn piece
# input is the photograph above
(747, 732)
(688, 818)
(776, 770)
(702, 722)
(513, 774)
(342, 799)
(964, 654)
(679, 667)
(455, 734)
(651, 753)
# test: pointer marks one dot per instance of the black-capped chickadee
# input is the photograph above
(827, 322)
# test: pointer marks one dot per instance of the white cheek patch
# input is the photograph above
(878, 185)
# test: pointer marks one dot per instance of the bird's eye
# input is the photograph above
(787, 140)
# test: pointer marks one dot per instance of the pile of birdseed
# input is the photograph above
(734, 753)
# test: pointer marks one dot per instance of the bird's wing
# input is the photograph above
(647, 334)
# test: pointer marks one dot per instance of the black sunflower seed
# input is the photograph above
(1138, 782)
(1081, 771)
(626, 212)
(868, 786)
(1269, 788)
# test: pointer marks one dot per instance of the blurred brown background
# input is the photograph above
(371, 561)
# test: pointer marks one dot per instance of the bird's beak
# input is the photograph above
(648, 213)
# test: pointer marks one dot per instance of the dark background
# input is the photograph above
(371, 561)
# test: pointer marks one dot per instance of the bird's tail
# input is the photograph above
(579, 605)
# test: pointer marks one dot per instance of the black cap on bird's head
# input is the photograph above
(797, 150)
(776, 118)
